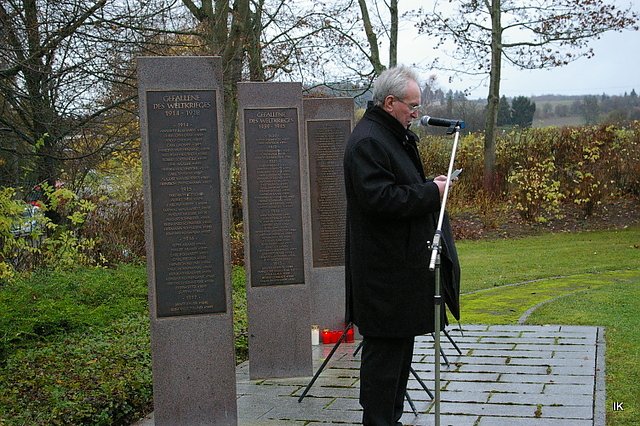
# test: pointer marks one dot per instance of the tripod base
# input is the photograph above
(343, 336)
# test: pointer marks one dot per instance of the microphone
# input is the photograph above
(441, 122)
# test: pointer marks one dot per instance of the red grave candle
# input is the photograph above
(350, 335)
(325, 335)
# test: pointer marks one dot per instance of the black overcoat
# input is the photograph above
(392, 214)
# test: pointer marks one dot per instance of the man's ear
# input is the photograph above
(388, 103)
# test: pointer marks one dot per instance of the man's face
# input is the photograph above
(406, 109)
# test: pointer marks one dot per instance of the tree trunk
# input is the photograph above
(229, 43)
(372, 38)
(393, 37)
(493, 99)
(232, 60)
(253, 46)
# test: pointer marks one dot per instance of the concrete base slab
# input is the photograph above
(549, 375)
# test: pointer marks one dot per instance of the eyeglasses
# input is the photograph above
(413, 108)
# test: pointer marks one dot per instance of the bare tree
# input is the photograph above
(525, 34)
(383, 21)
(259, 40)
(65, 67)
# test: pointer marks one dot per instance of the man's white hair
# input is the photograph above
(393, 81)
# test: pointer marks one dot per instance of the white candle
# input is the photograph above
(315, 335)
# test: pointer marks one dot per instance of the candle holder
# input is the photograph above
(326, 336)
(350, 335)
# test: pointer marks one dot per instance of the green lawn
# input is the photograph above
(498, 262)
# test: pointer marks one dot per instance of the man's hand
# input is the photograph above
(441, 181)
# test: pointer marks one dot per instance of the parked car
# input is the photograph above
(28, 221)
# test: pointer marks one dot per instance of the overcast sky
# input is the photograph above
(614, 70)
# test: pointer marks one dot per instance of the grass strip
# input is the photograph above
(506, 304)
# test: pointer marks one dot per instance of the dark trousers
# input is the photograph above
(384, 372)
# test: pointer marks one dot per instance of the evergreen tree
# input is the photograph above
(504, 112)
(590, 110)
(634, 98)
(522, 111)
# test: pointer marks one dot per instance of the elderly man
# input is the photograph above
(392, 212)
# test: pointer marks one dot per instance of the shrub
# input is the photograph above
(117, 223)
(74, 348)
(13, 246)
(99, 378)
(117, 227)
(240, 320)
(35, 241)
(541, 169)
(585, 162)
(534, 193)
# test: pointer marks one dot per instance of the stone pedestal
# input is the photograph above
(328, 124)
(275, 183)
(187, 234)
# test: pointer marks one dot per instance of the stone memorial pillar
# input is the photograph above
(275, 184)
(328, 124)
(186, 227)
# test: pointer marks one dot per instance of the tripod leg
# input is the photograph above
(357, 349)
(444, 357)
(324, 364)
(421, 382)
(452, 342)
(446, 361)
(413, 407)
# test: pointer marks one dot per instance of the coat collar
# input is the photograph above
(404, 136)
(381, 116)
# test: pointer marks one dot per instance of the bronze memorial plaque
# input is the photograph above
(327, 141)
(185, 183)
(274, 196)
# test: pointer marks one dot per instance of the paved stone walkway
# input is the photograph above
(506, 375)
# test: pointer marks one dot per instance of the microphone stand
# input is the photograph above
(434, 265)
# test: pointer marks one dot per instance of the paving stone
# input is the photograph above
(493, 346)
(584, 401)
(569, 389)
(526, 346)
(524, 328)
(461, 396)
(517, 340)
(547, 379)
(495, 387)
(485, 360)
(469, 377)
(540, 354)
(584, 355)
(323, 392)
(271, 391)
(508, 410)
(567, 412)
(565, 362)
(507, 369)
(586, 370)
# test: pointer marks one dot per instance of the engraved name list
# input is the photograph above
(185, 182)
